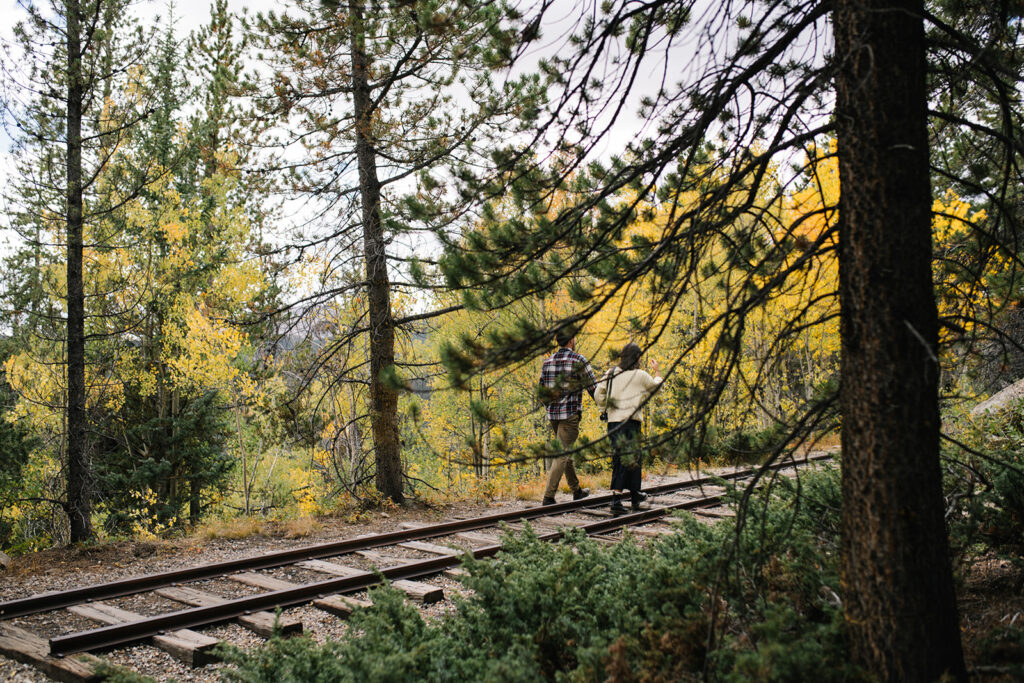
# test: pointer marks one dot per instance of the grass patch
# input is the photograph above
(231, 528)
(300, 527)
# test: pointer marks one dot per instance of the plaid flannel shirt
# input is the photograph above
(567, 373)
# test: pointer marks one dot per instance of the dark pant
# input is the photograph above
(566, 430)
(625, 438)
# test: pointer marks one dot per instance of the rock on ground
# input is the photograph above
(1000, 400)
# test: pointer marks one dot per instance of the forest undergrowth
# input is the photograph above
(750, 598)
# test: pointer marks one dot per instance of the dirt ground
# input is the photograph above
(991, 605)
(266, 536)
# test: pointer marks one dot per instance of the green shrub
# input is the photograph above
(749, 445)
(788, 647)
(733, 447)
(146, 476)
(16, 444)
(985, 485)
(112, 673)
(1004, 648)
(579, 611)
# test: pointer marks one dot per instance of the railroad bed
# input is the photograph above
(185, 613)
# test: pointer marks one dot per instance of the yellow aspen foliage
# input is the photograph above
(777, 261)
(962, 292)
(202, 352)
(481, 430)
(165, 279)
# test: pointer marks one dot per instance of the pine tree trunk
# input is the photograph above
(899, 599)
(78, 507)
(485, 437)
(383, 399)
(354, 436)
(195, 497)
(477, 438)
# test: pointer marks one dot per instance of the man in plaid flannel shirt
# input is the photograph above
(563, 378)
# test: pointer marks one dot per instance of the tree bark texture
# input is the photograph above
(78, 506)
(383, 399)
(899, 601)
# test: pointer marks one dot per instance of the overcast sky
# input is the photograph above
(190, 14)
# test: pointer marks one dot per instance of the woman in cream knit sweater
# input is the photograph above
(622, 391)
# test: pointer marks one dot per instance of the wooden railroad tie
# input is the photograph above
(650, 532)
(604, 540)
(555, 523)
(261, 623)
(416, 591)
(457, 573)
(28, 648)
(689, 495)
(477, 538)
(338, 605)
(432, 548)
(673, 499)
(595, 512)
(379, 558)
(541, 525)
(712, 513)
(185, 645)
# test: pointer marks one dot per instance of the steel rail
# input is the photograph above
(43, 602)
(124, 634)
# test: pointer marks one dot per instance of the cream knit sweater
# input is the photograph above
(630, 388)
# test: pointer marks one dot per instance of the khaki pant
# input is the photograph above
(566, 430)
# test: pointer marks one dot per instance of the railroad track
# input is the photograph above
(62, 657)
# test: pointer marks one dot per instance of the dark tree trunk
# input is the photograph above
(195, 510)
(78, 506)
(383, 399)
(899, 599)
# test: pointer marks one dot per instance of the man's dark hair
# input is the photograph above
(629, 356)
(564, 336)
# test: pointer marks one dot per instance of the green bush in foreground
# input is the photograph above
(984, 484)
(579, 611)
(112, 673)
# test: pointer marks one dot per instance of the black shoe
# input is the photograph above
(548, 501)
(617, 508)
(635, 498)
(580, 494)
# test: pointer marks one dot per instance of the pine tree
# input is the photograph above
(16, 444)
(751, 101)
(168, 228)
(900, 604)
(62, 64)
(369, 91)
(974, 129)
(166, 448)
